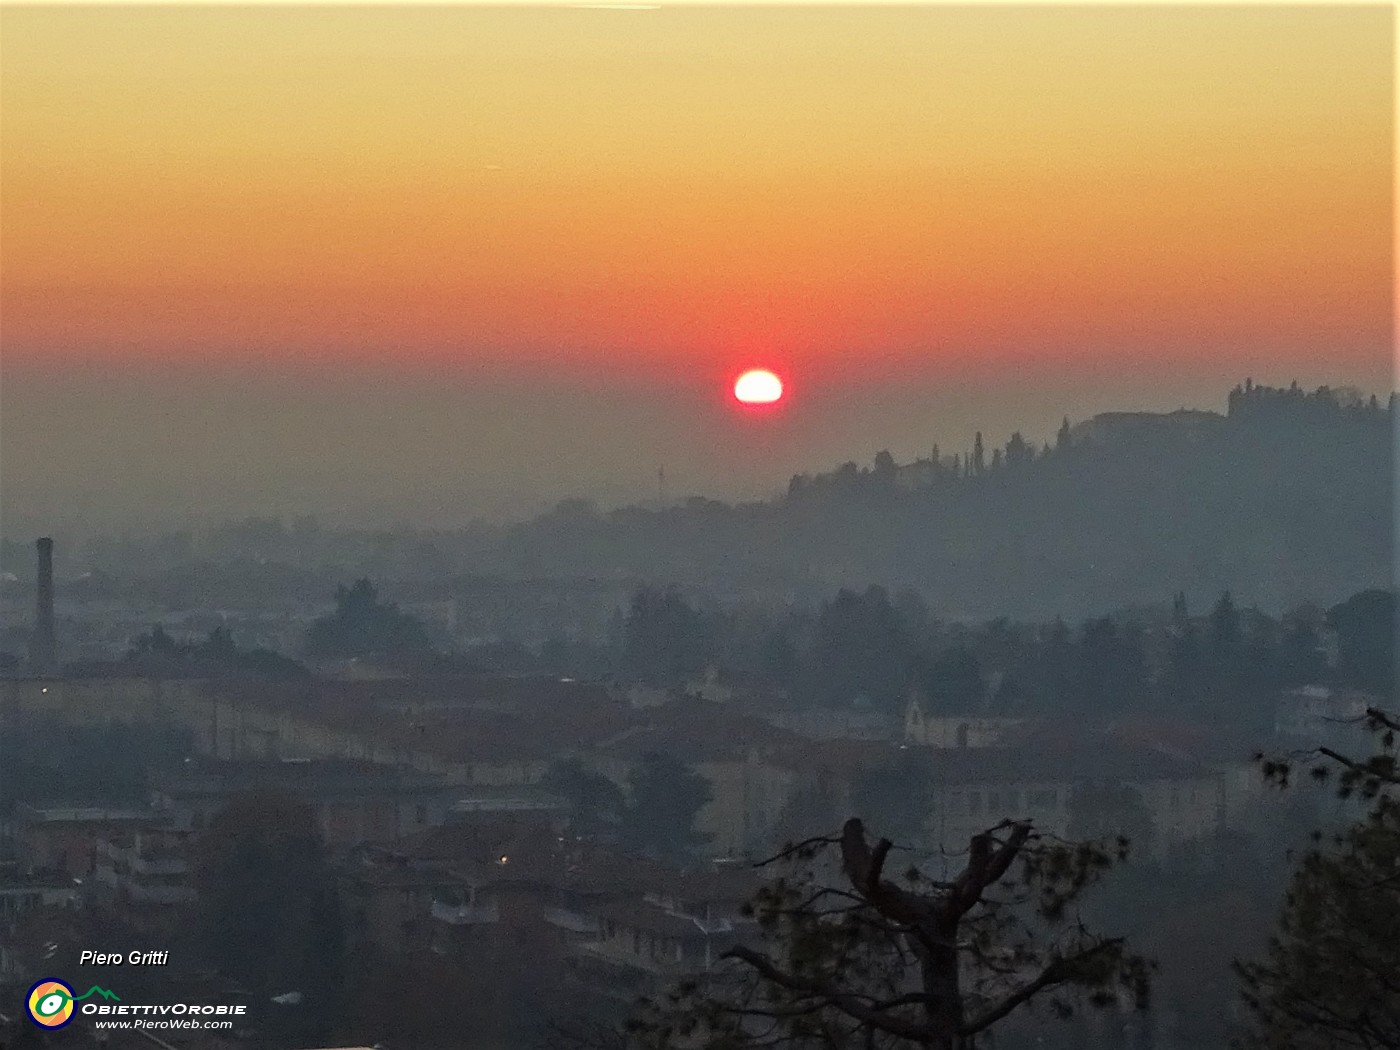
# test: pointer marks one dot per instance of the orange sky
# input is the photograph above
(568, 183)
(982, 202)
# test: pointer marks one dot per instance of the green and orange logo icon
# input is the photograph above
(51, 1002)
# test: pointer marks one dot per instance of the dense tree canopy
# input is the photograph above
(1100, 809)
(1331, 974)
(58, 762)
(596, 803)
(1366, 640)
(666, 796)
(665, 638)
(157, 653)
(1331, 978)
(861, 650)
(866, 648)
(362, 625)
(898, 796)
(268, 908)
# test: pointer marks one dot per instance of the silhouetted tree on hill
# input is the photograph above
(1018, 452)
(1062, 438)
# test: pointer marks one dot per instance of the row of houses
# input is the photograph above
(404, 751)
(450, 856)
(493, 882)
(610, 923)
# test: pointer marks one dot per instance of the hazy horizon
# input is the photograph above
(378, 454)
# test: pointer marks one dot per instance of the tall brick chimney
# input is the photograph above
(43, 648)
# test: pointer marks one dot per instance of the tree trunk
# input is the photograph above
(938, 969)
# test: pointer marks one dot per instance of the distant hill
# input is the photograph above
(1288, 497)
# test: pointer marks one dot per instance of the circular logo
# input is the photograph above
(50, 1004)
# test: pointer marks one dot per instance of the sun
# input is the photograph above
(758, 386)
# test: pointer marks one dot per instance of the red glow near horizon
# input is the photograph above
(758, 386)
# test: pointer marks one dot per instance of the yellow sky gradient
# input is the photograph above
(690, 185)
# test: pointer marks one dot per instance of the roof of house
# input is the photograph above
(697, 730)
(840, 756)
(405, 877)
(319, 779)
(483, 841)
(1040, 758)
(519, 694)
(487, 736)
(655, 919)
(516, 853)
(459, 718)
(60, 814)
(1190, 740)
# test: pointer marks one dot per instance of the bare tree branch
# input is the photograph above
(1060, 970)
(845, 1001)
